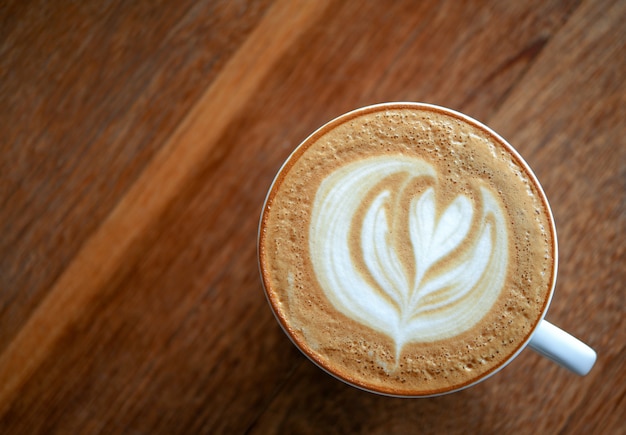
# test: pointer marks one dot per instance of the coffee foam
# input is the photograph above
(373, 284)
(420, 175)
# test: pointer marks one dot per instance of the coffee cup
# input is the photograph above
(409, 250)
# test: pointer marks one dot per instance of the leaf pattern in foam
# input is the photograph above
(430, 243)
(433, 242)
(459, 281)
(383, 261)
(423, 307)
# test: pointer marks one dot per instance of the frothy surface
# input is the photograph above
(381, 280)
(407, 250)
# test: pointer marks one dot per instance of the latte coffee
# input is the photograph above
(407, 249)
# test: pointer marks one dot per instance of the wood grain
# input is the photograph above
(89, 94)
(139, 141)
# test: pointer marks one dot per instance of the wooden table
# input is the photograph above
(138, 140)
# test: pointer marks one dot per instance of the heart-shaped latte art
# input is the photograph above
(430, 274)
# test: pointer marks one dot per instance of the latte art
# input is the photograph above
(414, 273)
(407, 249)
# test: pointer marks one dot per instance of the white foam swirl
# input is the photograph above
(419, 303)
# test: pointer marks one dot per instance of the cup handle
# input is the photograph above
(562, 348)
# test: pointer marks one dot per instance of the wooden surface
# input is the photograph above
(138, 140)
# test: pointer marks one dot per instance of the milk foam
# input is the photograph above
(455, 275)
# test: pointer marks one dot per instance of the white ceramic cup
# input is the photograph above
(546, 339)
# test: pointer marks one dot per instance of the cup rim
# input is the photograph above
(301, 148)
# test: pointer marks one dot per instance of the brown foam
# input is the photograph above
(462, 151)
